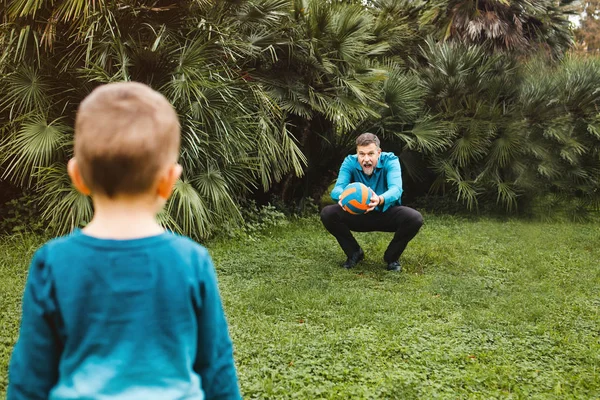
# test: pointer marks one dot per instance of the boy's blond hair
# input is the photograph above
(125, 133)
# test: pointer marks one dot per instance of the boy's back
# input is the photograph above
(135, 319)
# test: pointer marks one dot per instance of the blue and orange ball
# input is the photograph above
(356, 198)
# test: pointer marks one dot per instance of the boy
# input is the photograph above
(123, 309)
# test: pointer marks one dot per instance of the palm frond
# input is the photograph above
(25, 90)
(431, 135)
(212, 186)
(189, 210)
(403, 96)
(37, 144)
(65, 208)
(506, 148)
(471, 146)
(507, 195)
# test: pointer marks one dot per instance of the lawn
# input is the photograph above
(483, 309)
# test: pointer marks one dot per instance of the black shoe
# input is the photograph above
(354, 259)
(394, 266)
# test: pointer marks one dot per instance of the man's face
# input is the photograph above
(368, 157)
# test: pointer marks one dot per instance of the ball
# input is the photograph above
(356, 198)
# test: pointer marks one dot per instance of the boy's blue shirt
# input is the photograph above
(122, 319)
(385, 181)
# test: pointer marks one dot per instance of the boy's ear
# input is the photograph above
(167, 181)
(76, 178)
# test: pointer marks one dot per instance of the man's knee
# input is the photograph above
(408, 219)
(417, 219)
(414, 221)
(329, 213)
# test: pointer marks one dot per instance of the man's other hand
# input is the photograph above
(375, 201)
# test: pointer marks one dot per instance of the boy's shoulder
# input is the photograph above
(77, 241)
(72, 257)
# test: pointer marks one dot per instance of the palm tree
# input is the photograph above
(476, 94)
(560, 106)
(520, 137)
(518, 26)
(234, 134)
(340, 73)
(271, 90)
(317, 73)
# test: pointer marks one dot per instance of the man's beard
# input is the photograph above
(367, 168)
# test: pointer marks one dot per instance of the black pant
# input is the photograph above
(404, 221)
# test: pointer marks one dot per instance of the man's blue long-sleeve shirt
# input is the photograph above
(122, 319)
(385, 181)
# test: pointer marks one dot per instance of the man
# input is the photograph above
(381, 172)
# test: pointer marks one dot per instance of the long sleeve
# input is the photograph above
(343, 179)
(394, 182)
(33, 369)
(214, 361)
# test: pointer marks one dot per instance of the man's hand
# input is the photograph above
(375, 201)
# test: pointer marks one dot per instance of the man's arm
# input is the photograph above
(214, 359)
(394, 182)
(343, 179)
(33, 369)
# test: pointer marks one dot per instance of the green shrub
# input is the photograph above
(21, 215)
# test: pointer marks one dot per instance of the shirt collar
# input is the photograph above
(380, 162)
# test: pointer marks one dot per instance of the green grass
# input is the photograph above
(483, 309)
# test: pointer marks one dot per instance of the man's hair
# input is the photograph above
(366, 139)
(124, 134)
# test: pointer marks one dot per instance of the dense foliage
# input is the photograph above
(477, 97)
